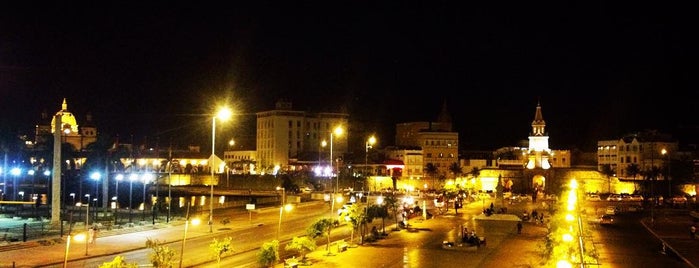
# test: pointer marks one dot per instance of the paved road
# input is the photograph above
(672, 228)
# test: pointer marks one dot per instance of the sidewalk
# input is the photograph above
(673, 231)
(510, 250)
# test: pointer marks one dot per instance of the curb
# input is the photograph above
(666, 245)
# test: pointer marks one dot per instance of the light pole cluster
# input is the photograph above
(223, 114)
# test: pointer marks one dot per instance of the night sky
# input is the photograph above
(599, 70)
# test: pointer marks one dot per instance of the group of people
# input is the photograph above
(470, 238)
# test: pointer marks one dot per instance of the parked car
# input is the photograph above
(677, 200)
(606, 220)
(636, 197)
(593, 197)
(614, 197)
(611, 210)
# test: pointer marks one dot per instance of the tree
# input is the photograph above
(302, 245)
(431, 171)
(162, 256)
(219, 248)
(268, 254)
(118, 262)
(455, 169)
(376, 211)
(392, 205)
(321, 228)
(633, 170)
(355, 218)
(608, 172)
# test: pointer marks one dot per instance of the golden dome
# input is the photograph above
(68, 123)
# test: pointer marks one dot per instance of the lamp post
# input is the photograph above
(667, 176)
(286, 207)
(65, 256)
(369, 143)
(146, 178)
(223, 115)
(72, 196)
(281, 207)
(96, 176)
(338, 131)
(184, 235)
(132, 178)
(119, 177)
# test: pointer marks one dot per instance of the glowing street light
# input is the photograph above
(369, 143)
(337, 132)
(223, 114)
(667, 176)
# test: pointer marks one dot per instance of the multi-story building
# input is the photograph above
(412, 161)
(284, 134)
(240, 161)
(646, 150)
(439, 144)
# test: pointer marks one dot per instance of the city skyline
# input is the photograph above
(598, 71)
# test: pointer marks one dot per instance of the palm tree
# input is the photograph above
(455, 169)
(633, 170)
(392, 204)
(431, 171)
(608, 172)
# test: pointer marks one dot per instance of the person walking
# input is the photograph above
(693, 232)
(519, 227)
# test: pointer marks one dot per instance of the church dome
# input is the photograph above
(68, 123)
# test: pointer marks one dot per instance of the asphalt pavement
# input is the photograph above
(509, 250)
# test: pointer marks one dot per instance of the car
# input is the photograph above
(614, 197)
(636, 197)
(344, 209)
(677, 200)
(606, 220)
(611, 210)
(593, 197)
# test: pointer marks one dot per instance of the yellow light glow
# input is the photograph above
(80, 237)
(570, 217)
(196, 221)
(224, 114)
(288, 207)
(567, 238)
(563, 264)
(338, 131)
(573, 184)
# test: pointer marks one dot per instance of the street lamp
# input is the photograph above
(132, 178)
(286, 207)
(146, 179)
(369, 143)
(669, 181)
(338, 131)
(194, 221)
(223, 114)
(119, 177)
(72, 196)
(95, 176)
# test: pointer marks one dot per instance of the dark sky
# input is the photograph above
(599, 69)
